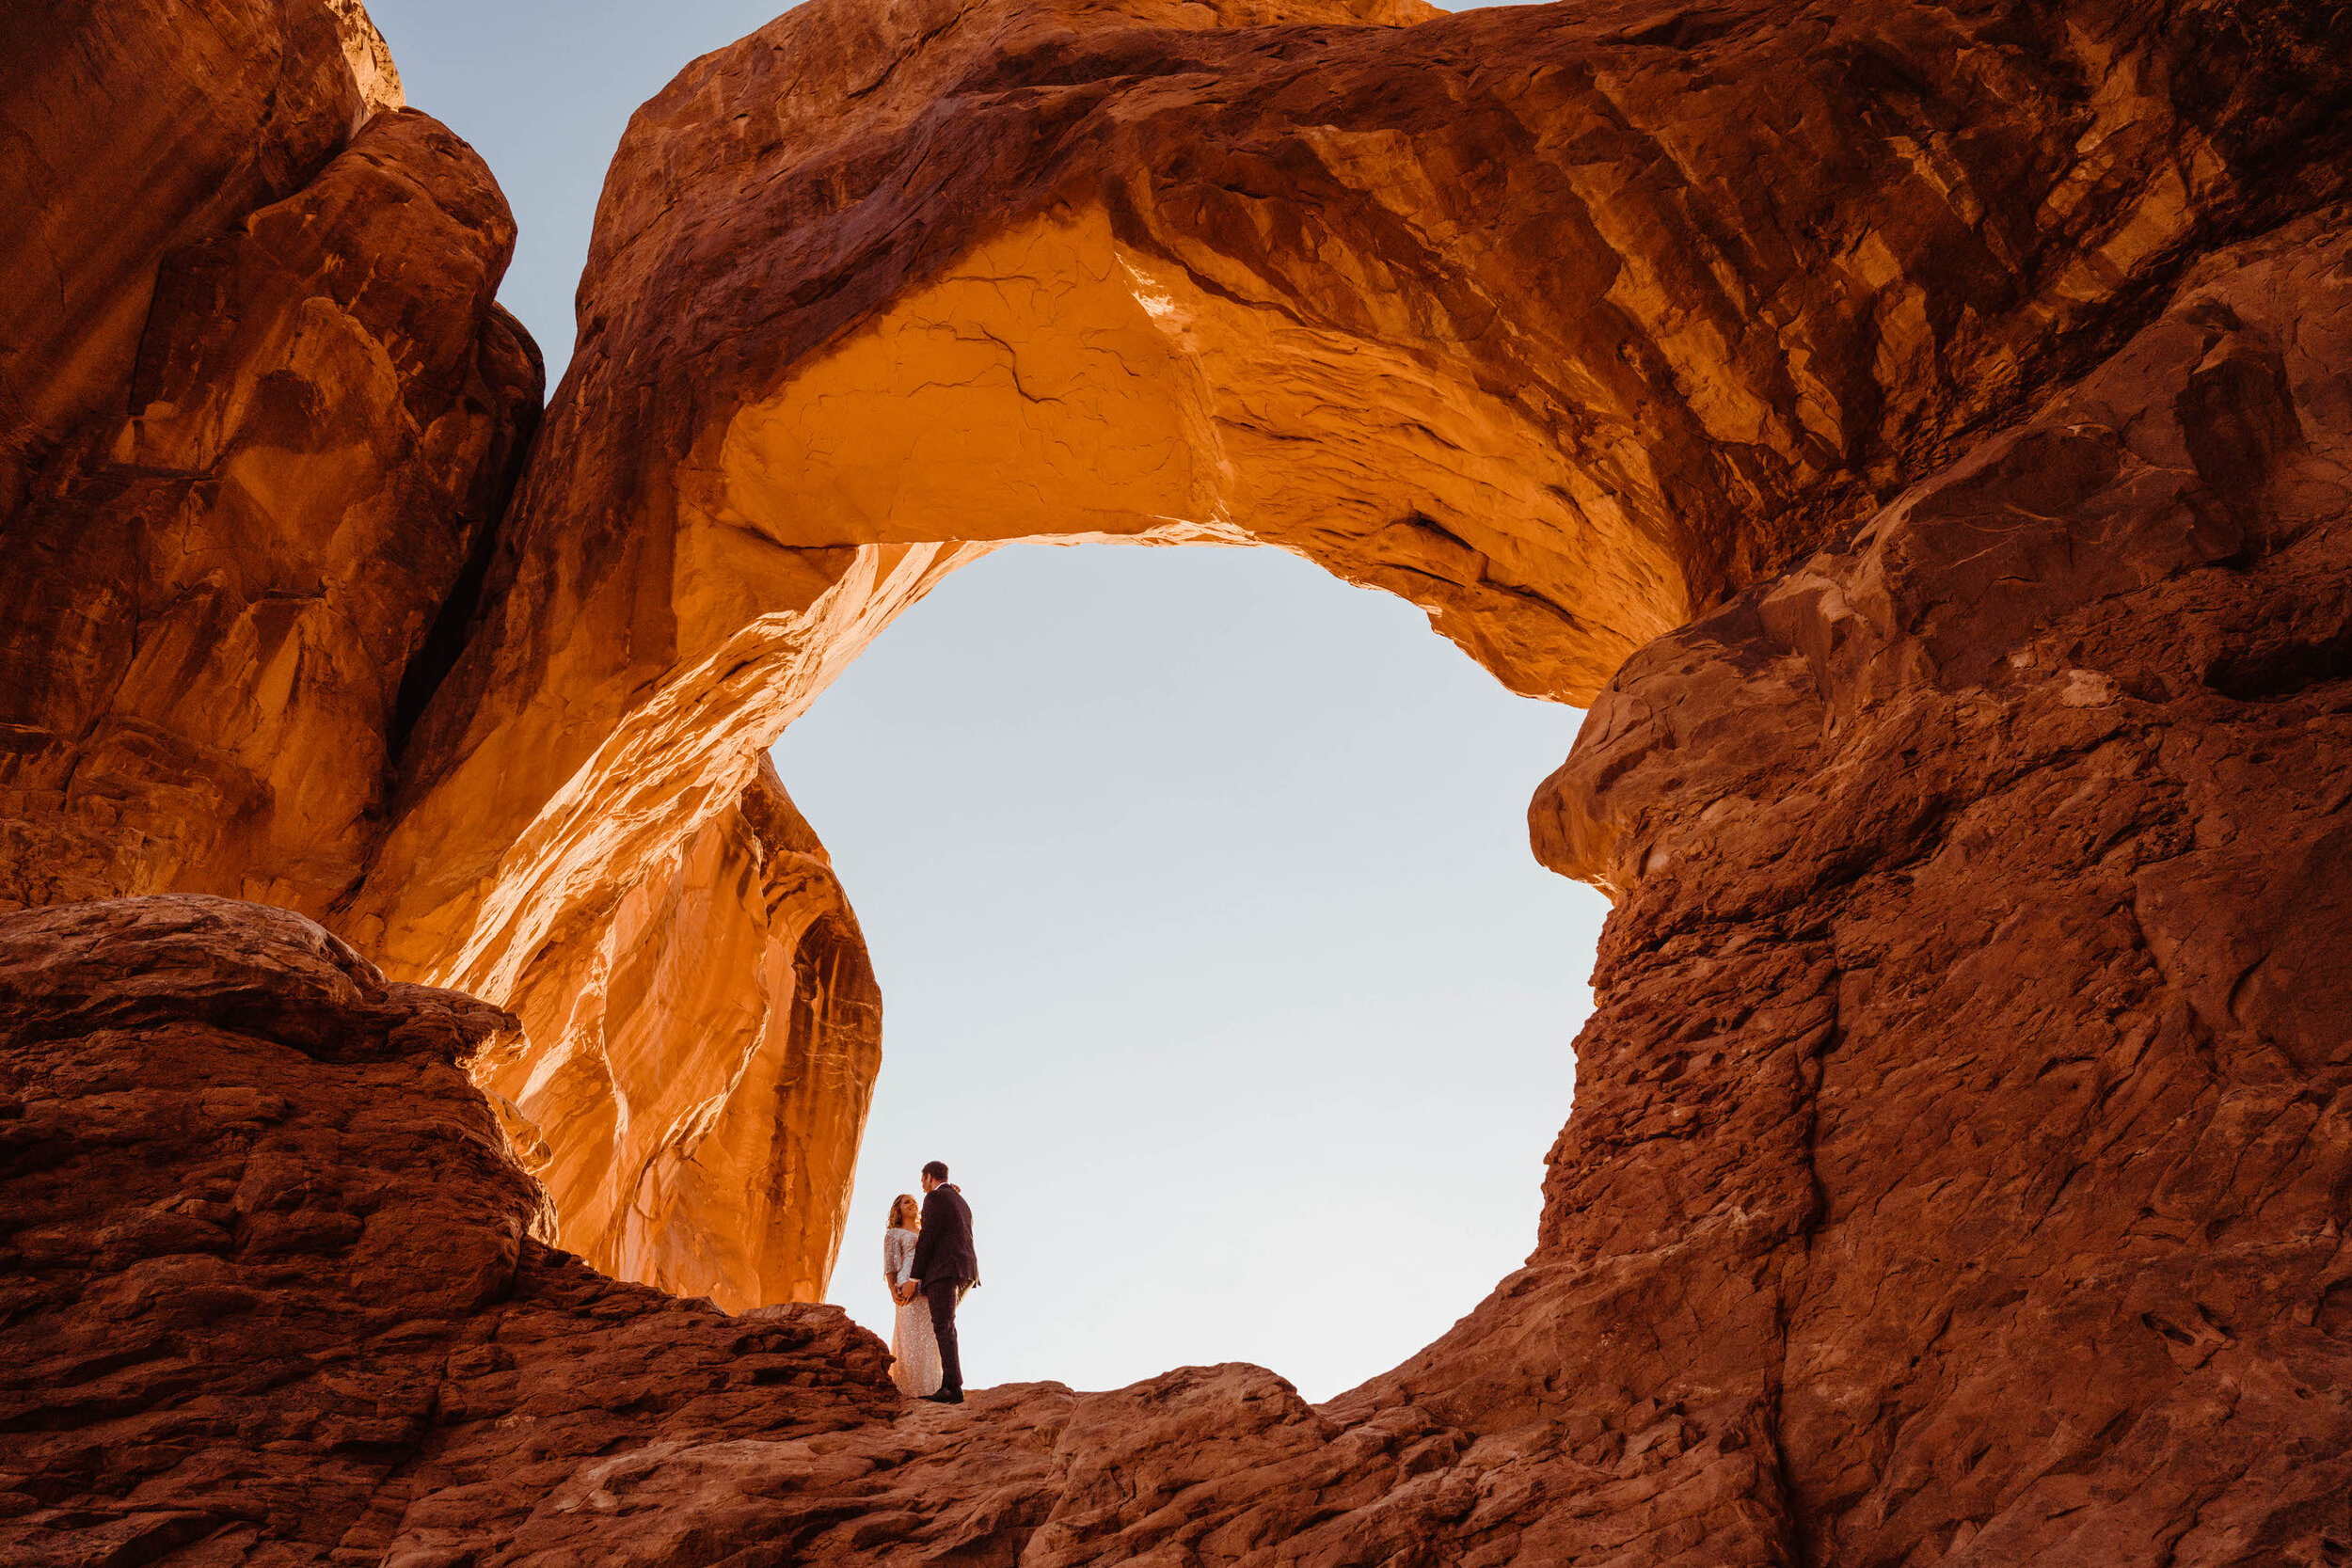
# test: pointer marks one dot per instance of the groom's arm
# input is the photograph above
(927, 1241)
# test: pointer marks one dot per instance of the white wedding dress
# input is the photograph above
(914, 1349)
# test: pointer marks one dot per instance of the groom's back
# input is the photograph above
(944, 1251)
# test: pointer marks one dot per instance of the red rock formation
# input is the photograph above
(1961, 1163)
(260, 416)
(260, 412)
(700, 1133)
(1993, 860)
(130, 138)
(1564, 326)
(270, 1294)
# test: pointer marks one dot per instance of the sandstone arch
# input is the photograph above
(1960, 1166)
(1562, 330)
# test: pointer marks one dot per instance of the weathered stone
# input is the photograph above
(264, 416)
(1960, 1165)
(130, 137)
(700, 1133)
(270, 1292)
(264, 412)
(1562, 324)
(1972, 1074)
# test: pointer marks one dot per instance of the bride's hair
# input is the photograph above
(904, 1204)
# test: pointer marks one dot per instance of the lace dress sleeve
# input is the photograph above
(894, 1254)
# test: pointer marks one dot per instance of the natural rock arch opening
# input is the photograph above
(713, 1035)
(1959, 1170)
(858, 310)
(1212, 954)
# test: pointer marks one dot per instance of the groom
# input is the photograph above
(945, 1267)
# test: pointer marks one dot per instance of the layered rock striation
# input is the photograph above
(1563, 326)
(1937, 418)
(1971, 1076)
(260, 418)
(1563, 323)
(273, 1290)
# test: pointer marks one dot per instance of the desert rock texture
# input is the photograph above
(259, 412)
(1564, 323)
(1994, 863)
(273, 1294)
(724, 1029)
(260, 418)
(1922, 434)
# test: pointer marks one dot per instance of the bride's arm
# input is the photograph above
(897, 1254)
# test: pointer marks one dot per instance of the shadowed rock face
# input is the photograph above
(259, 419)
(259, 412)
(1972, 1072)
(1565, 322)
(271, 1292)
(130, 137)
(1946, 410)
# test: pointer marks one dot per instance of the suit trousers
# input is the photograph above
(944, 1295)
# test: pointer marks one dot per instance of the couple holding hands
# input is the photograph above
(929, 1263)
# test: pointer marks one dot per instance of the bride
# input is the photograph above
(915, 1352)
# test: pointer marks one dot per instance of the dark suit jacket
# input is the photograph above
(943, 1250)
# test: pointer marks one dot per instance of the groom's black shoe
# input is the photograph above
(950, 1396)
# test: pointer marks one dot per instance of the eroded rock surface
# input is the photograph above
(696, 1132)
(259, 412)
(1994, 862)
(1563, 322)
(260, 417)
(130, 137)
(1565, 325)
(271, 1296)
(1961, 1164)
(272, 1299)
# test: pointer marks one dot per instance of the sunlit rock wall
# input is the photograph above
(1565, 324)
(258, 413)
(260, 418)
(1959, 1171)
(698, 1069)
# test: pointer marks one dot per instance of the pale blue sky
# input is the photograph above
(1211, 953)
(1212, 957)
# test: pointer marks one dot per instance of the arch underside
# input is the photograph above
(1563, 344)
(1920, 433)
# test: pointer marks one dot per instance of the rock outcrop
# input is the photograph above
(695, 1132)
(259, 412)
(1971, 1073)
(271, 1291)
(1564, 323)
(260, 417)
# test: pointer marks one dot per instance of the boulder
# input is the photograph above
(273, 1294)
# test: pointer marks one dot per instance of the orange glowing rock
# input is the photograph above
(1920, 434)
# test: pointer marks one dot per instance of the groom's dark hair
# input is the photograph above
(936, 1170)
